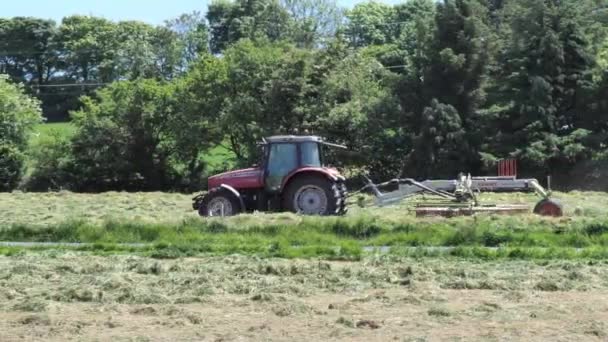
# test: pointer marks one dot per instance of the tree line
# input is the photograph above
(419, 89)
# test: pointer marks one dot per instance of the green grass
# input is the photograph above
(338, 238)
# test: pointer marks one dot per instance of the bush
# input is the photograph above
(134, 136)
(11, 166)
(50, 163)
(18, 115)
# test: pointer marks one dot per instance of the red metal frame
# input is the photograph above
(507, 168)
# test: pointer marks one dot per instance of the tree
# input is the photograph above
(253, 19)
(358, 108)
(441, 144)
(89, 48)
(131, 138)
(370, 23)
(18, 115)
(27, 50)
(193, 33)
(546, 70)
(446, 88)
(460, 56)
(147, 51)
(30, 54)
(254, 90)
(314, 21)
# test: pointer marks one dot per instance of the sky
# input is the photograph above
(150, 11)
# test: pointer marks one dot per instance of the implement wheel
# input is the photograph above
(549, 207)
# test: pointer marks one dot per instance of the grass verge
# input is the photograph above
(334, 238)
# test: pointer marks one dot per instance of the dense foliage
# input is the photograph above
(422, 88)
(18, 115)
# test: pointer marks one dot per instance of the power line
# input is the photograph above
(67, 85)
(395, 66)
(60, 94)
(48, 50)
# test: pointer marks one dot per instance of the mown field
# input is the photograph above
(376, 274)
(74, 296)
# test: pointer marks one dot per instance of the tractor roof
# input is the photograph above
(293, 138)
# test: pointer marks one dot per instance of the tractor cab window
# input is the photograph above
(283, 159)
(311, 155)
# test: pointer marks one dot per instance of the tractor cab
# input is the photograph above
(285, 154)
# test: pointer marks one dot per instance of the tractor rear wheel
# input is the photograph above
(312, 195)
(219, 202)
(549, 207)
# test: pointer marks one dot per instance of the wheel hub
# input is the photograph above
(310, 200)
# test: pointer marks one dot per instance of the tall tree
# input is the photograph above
(89, 48)
(359, 109)
(314, 21)
(254, 90)
(453, 82)
(546, 71)
(231, 21)
(370, 23)
(193, 33)
(27, 50)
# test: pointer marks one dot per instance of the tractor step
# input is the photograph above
(462, 210)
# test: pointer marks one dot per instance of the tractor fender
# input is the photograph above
(235, 193)
(311, 170)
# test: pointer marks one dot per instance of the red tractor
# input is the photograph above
(291, 177)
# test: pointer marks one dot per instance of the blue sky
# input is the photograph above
(151, 11)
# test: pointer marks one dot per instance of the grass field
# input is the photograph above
(376, 274)
(44, 130)
(76, 296)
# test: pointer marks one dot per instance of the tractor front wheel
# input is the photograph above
(219, 202)
(312, 195)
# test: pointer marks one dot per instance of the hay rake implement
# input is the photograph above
(458, 197)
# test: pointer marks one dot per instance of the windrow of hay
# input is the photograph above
(32, 283)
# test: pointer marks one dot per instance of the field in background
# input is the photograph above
(219, 159)
(46, 129)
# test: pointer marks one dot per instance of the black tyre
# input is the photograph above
(219, 202)
(343, 194)
(312, 195)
